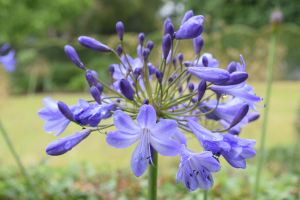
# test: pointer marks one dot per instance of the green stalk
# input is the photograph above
(264, 126)
(17, 158)
(152, 178)
(205, 194)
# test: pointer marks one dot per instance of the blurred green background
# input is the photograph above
(38, 30)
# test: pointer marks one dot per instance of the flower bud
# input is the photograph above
(180, 58)
(213, 75)
(204, 61)
(141, 38)
(65, 110)
(252, 116)
(146, 101)
(126, 89)
(201, 89)
(198, 44)
(65, 144)
(240, 115)
(89, 77)
(170, 80)
(180, 89)
(191, 87)
(73, 56)
(167, 21)
(158, 75)
(194, 100)
(96, 94)
(187, 16)
(170, 30)
(231, 67)
(93, 44)
(174, 62)
(111, 70)
(150, 45)
(146, 53)
(137, 72)
(120, 30)
(236, 78)
(100, 87)
(119, 50)
(189, 30)
(94, 73)
(166, 45)
(175, 76)
(151, 68)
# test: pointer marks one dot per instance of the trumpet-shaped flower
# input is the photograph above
(195, 169)
(148, 133)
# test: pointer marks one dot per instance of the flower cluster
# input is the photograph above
(155, 106)
(8, 61)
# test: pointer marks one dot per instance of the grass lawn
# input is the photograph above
(25, 128)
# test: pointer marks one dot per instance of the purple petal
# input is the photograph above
(63, 128)
(213, 75)
(166, 147)
(146, 117)
(180, 137)
(207, 160)
(120, 140)
(164, 129)
(139, 163)
(125, 123)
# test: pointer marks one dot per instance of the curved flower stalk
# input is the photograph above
(166, 104)
(8, 61)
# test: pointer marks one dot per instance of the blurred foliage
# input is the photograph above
(254, 13)
(45, 67)
(84, 181)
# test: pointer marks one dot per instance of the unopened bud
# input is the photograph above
(150, 45)
(89, 77)
(96, 94)
(73, 56)
(201, 89)
(65, 110)
(204, 61)
(126, 89)
(231, 67)
(120, 30)
(166, 45)
(191, 87)
(111, 70)
(93, 44)
(240, 115)
(141, 38)
(158, 75)
(146, 101)
(119, 50)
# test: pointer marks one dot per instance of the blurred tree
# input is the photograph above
(37, 18)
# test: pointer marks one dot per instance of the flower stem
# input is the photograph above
(264, 126)
(22, 168)
(205, 194)
(152, 178)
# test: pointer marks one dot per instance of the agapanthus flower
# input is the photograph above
(165, 103)
(8, 61)
(149, 134)
(195, 169)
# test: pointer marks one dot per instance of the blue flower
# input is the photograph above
(194, 169)
(149, 133)
(88, 113)
(55, 120)
(8, 61)
(234, 149)
(191, 28)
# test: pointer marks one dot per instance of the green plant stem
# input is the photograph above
(264, 126)
(22, 168)
(152, 178)
(205, 194)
